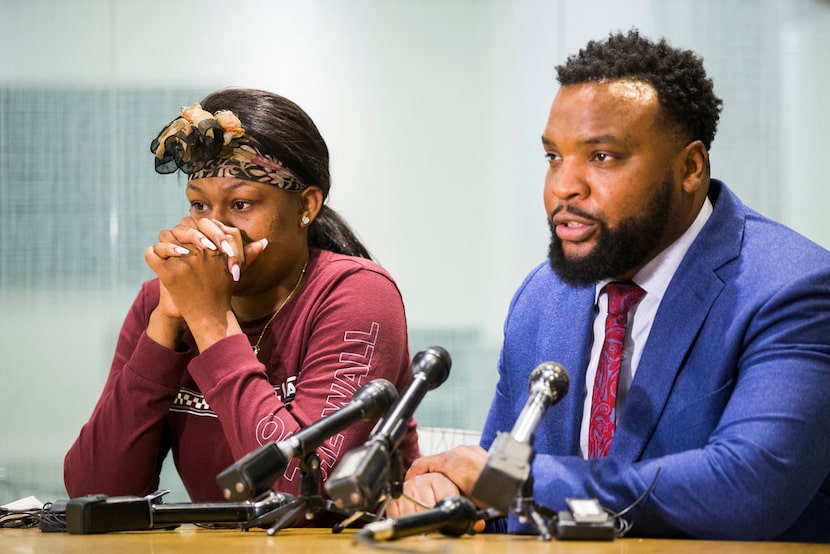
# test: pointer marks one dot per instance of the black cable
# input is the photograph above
(52, 518)
(18, 519)
(621, 525)
(48, 518)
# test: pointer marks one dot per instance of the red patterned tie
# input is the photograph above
(621, 297)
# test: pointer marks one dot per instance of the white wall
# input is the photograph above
(433, 111)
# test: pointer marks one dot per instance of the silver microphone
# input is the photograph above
(510, 455)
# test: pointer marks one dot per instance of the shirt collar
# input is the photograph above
(655, 276)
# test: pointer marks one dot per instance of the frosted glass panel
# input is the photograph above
(79, 200)
(79, 203)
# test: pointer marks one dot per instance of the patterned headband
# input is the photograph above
(202, 144)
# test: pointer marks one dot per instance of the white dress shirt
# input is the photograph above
(654, 278)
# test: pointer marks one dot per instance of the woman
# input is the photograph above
(266, 315)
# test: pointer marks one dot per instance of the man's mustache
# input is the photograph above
(573, 211)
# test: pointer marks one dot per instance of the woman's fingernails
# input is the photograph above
(264, 243)
(226, 248)
(207, 244)
(235, 272)
(181, 250)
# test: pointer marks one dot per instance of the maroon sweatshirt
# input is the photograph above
(345, 327)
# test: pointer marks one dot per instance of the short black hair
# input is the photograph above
(683, 89)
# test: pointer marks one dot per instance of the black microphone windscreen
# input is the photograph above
(377, 396)
(434, 363)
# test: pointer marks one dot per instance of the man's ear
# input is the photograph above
(695, 167)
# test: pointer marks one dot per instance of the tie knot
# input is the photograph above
(622, 295)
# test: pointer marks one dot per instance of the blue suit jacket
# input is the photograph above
(731, 399)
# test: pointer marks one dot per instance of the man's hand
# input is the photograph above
(432, 478)
(462, 465)
(421, 492)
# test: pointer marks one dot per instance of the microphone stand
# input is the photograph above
(530, 512)
(307, 504)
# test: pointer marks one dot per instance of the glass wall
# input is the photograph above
(432, 110)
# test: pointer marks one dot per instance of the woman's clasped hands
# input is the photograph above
(199, 263)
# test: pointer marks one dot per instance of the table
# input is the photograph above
(189, 538)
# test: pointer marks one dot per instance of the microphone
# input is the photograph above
(257, 471)
(510, 455)
(453, 516)
(357, 480)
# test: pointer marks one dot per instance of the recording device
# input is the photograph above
(510, 456)
(356, 482)
(453, 516)
(585, 519)
(257, 471)
(99, 513)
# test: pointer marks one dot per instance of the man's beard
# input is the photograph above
(617, 251)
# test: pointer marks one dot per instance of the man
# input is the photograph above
(720, 416)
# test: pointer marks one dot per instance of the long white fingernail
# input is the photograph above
(226, 248)
(207, 244)
(181, 250)
(235, 272)
(264, 243)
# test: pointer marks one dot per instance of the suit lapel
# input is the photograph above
(684, 308)
(553, 331)
(571, 348)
